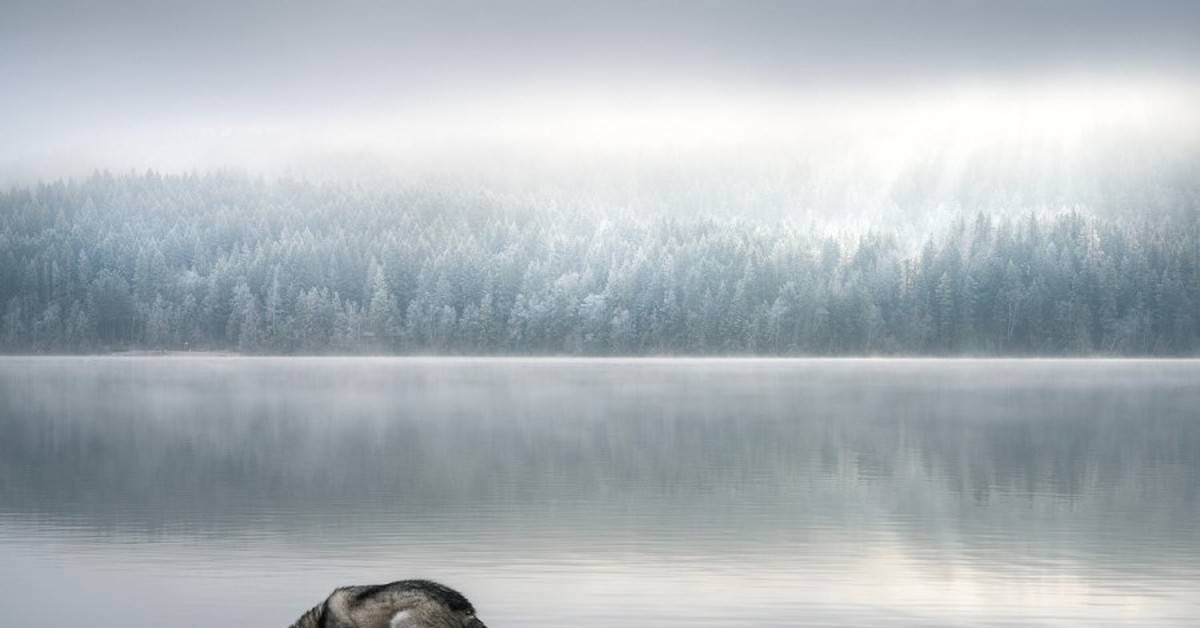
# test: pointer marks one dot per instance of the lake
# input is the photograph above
(193, 490)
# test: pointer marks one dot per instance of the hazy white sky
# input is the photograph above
(253, 83)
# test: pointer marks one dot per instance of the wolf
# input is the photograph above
(401, 604)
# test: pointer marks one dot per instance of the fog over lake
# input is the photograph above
(660, 492)
(754, 292)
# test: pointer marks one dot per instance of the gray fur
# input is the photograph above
(423, 604)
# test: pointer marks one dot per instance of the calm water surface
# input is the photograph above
(177, 491)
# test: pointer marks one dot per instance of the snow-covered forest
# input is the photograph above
(230, 262)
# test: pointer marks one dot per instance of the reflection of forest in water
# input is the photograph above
(1091, 458)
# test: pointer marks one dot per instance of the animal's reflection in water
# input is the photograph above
(402, 604)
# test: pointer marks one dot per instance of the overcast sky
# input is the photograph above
(81, 77)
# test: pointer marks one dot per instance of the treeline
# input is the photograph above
(225, 262)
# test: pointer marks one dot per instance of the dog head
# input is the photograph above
(403, 604)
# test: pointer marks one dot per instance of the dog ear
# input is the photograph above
(337, 611)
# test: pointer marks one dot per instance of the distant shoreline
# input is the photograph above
(616, 358)
(167, 353)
